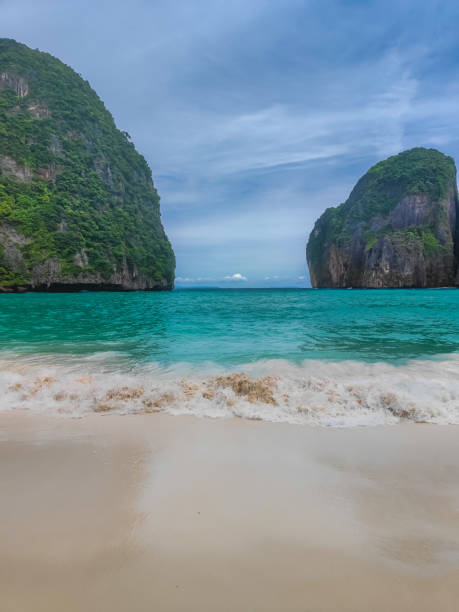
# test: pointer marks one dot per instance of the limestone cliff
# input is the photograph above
(397, 229)
(78, 208)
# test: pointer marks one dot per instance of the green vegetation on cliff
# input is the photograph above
(398, 228)
(416, 171)
(71, 183)
(413, 172)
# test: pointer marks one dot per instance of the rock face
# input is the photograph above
(398, 227)
(78, 208)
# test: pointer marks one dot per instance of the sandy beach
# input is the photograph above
(154, 512)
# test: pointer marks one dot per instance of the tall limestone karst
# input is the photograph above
(397, 228)
(78, 209)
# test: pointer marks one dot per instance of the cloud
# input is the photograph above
(236, 277)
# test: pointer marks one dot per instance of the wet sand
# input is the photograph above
(141, 513)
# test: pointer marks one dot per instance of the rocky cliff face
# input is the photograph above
(397, 229)
(78, 208)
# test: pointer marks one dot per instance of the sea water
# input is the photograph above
(328, 357)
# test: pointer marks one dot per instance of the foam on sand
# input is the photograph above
(338, 394)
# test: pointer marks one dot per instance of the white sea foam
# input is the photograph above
(338, 394)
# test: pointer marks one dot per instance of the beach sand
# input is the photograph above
(142, 513)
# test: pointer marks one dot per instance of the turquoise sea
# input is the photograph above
(337, 357)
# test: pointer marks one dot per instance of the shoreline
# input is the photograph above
(159, 512)
(315, 392)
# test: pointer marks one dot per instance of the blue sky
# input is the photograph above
(256, 115)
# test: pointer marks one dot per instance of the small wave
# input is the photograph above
(337, 394)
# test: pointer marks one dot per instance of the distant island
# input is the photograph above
(397, 229)
(78, 208)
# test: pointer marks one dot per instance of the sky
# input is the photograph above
(257, 115)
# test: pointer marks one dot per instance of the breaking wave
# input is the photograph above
(337, 394)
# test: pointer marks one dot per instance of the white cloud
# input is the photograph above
(236, 277)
